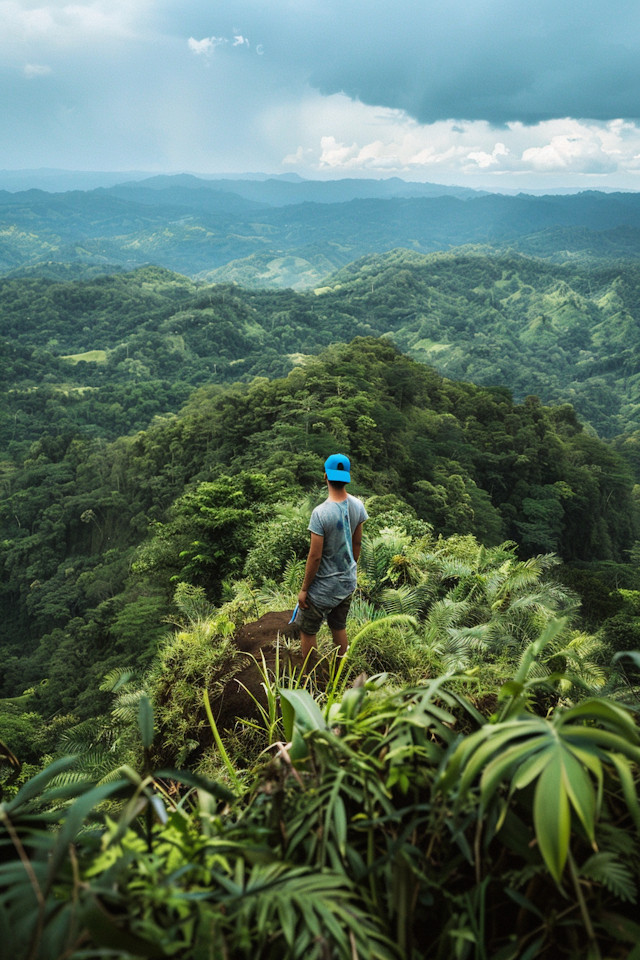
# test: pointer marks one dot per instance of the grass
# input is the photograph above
(91, 356)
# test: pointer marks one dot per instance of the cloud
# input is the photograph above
(491, 60)
(484, 159)
(496, 60)
(576, 153)
(32, 70)
(559, 152)
(363, 88)
(206, 46)
(300, 156)
(59, 23)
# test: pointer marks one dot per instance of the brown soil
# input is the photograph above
(259, 637)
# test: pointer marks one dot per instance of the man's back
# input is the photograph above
(335, 521)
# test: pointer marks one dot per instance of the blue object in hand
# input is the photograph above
(295, 613)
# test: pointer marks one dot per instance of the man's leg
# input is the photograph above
(337, 620)
(340, 640)
(309, 619)
(308, 643)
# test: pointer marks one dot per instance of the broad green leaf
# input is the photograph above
(496, 738)
(529, 770)
(299, 749)
(522, 901)
(288, 715)
(594, 736)
(532, 950)
(351, 700)
(306, 711)
(495, 771)
(552, 816)
(74, 821)
(287, 917)
(580, 792)
(106, 933)
(591, 761)
(510, 689)
(340, 823)
(609, 714)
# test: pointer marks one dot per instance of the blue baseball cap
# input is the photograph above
(338, 467)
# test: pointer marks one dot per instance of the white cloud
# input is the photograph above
(68, 24)
(335, 154)
(428, 155)
(300, 156)
(584, 152)
(484, 159)
(32, 70)
(334, 136)
(206, 46)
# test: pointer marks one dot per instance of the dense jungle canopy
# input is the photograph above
(162, 442)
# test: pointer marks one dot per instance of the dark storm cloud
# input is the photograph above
(488, 60)
(108, 83)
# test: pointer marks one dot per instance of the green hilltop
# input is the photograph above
(174, 781)
(81, 578)
(565, 334)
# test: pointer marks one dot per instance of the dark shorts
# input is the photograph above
(309, 620)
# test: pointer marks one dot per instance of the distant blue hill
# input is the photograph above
(277, 233)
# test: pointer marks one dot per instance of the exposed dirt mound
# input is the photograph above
(254, 638)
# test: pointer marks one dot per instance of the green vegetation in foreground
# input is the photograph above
(477, 799)
(470, 770)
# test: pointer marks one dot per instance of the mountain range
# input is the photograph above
(279, 232)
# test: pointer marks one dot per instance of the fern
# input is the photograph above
(404, 599)
(119, 677)
(605, 868)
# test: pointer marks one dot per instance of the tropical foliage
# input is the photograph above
(96, 536)
(386, 823)
(463, 785)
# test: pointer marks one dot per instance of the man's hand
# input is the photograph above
(302, 600)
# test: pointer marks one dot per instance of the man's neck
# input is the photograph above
(337, 495)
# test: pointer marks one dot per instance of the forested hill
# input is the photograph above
(103, 357)
(243, 232)
(96, 535)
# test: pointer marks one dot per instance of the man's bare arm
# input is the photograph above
(313, 562)
(356, 541)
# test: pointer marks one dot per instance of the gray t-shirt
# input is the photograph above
(336, 576)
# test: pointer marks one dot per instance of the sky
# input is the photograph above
(486, 93)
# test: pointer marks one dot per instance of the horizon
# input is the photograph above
(40, 176)
(541, 99)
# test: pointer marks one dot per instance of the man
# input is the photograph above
(331, 570)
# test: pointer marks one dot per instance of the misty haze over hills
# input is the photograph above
(285, 231)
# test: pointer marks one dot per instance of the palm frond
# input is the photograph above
(117, 678)
(404, 599)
